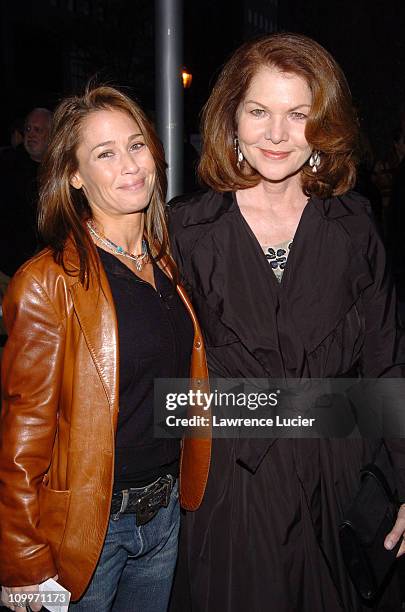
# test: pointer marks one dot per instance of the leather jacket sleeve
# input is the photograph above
(32, 368)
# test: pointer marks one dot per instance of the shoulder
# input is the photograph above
(353, 216)
(40, 283)
(349, 204)
(196, 197)
(351, 212)
(41, 269)
(198, 208)
(191, 218)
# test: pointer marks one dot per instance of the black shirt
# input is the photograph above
(155, 341)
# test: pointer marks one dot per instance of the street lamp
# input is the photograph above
(187, 78)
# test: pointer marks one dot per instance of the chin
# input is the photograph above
(277, 175)
(137, 207)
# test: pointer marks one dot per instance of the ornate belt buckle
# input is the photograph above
(149, 505)
(167, 490)
(144, 514)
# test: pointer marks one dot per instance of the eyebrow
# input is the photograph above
(109, 142)
(290, 109)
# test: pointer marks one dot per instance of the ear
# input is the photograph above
(76, 181)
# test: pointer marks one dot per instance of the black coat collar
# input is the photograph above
(208, 206)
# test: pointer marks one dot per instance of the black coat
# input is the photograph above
(332, 315)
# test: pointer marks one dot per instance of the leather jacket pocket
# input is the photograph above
(53, 510)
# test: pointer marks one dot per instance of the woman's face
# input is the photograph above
(271, 124)
(115, 167)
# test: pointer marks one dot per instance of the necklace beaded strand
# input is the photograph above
(140, 260)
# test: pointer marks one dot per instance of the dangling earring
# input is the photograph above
(238, 152)
(315, 160)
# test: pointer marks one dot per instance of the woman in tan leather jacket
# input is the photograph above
(87, 494)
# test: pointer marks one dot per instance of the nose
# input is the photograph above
(129, 164)
(276, 130)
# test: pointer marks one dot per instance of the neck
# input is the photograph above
(125, 231)
(275, 195)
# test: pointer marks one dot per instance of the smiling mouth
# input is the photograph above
(133, 186)
(275, 154)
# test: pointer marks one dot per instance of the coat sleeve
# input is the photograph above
(31, 375)
(174, 225)
(382, 354)
(381, 350)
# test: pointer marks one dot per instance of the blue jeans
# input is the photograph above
(136, 566)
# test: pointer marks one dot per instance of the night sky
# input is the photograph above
(367, 37)
(37, 38)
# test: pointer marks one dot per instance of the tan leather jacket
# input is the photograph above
(59, 414)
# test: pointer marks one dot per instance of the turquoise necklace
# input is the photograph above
(140, 260)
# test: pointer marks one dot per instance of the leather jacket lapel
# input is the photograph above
(95, 311)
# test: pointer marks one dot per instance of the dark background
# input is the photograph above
(50, 48)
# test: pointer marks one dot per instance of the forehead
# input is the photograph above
(107, 125)
(272, 83)
(37, 118)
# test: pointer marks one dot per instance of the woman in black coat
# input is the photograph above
(288, 276)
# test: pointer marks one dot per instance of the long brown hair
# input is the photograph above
(331, 127)
(62, 209)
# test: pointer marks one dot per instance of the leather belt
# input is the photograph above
(145, 502)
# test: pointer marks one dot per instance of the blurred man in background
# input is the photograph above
(36, 132)
(19, 193)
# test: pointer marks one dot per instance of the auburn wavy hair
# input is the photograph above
(331, 128)
(63, 209)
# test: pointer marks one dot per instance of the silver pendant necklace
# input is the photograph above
(140, 260)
